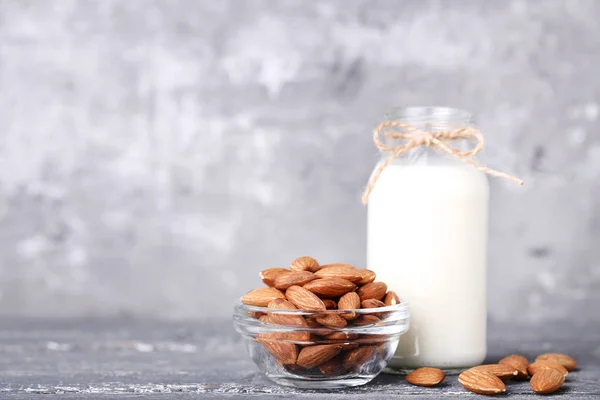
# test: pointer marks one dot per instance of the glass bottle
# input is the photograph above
(427, 239)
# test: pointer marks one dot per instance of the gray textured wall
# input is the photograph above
(154, 155)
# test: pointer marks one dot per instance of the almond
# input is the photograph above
(515, 358)
(376, 339)
(293, 368)
(254, 314)
(366, 319)
(330, 304)
(304, 299)
(537, 366)
(349, 301)
(290, 278)
(391, 299)
(481, 382)
(502, 371)
(366, 276)
(425, 377)
(547, 381)
(566, 361)
(331, 320)
(342, 336)
(287, 336)
(340, 265)
(318, 329)
(298, 337)
(330, 287)
(344, 344)
(342, 271)
(305, 264)
(347, 346)
(264, 319)
(281, 304)
(314, 338)
(285, 319)
(312, 322)
(385, 352)
(519, 363)
(312, 356)
(332, 367)
(284, 352)
(373, 290)
(355, 359)
(261, 297)
(268, 275)
(372, 303)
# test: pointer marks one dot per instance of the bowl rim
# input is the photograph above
(403, 306)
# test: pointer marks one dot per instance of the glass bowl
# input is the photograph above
(312, 350)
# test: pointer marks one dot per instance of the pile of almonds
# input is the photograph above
(308, 286)
(547, 374)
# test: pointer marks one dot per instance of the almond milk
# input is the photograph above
(427, 238)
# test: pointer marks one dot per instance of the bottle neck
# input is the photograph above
(428, 119)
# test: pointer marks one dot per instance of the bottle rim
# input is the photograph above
(430, 114)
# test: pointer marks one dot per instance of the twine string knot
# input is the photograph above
(414, 137)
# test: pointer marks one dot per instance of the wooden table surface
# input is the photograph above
(124, 358)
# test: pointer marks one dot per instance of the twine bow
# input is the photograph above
(437, 138)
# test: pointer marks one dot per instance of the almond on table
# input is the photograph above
(426, 376)
(519, 363)
(537, 366)
(481, 382)
(502, 371)
(566, 361)
(547, 381)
